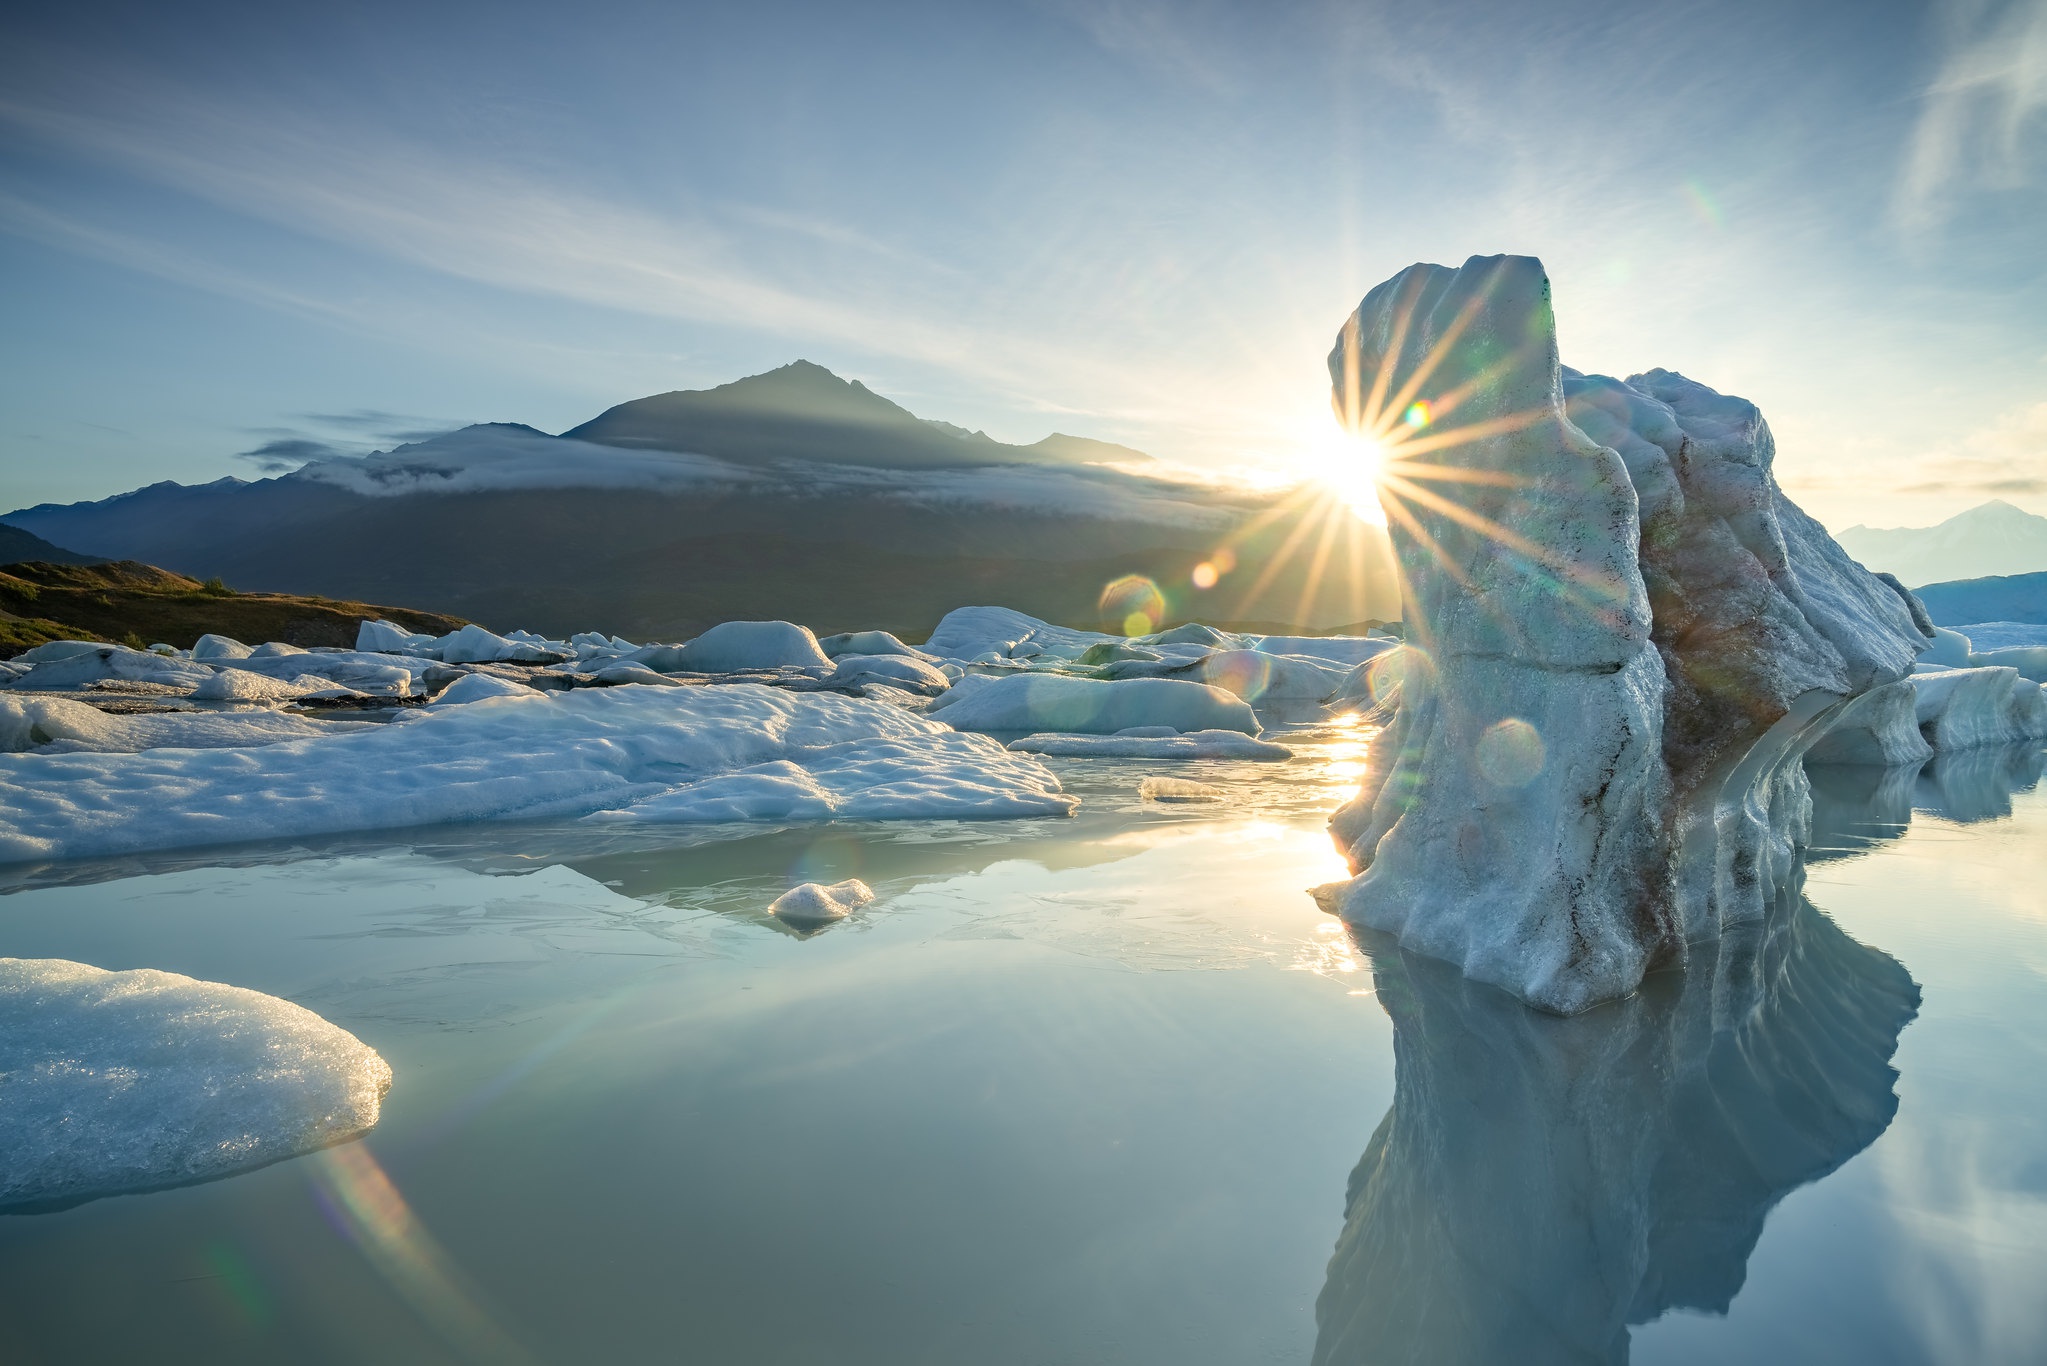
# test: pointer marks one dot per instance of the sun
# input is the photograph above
(1346, 464)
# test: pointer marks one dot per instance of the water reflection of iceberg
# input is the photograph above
(1541, 1183)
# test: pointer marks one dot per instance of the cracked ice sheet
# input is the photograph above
(698, 754)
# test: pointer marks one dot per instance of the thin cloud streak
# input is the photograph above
(1979, 110)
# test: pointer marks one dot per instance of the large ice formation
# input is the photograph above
(126, 1081)
(1626, 637)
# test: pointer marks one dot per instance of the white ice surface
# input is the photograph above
(380, 674)
(512, 758)
(472, 644)
(126, 1081)
(902, 671)
(813, 904)
(1035, 702)
(965, 633)
(870, 643)
(1250, 674)
(244, 685)
(1999, 635)
(1200, 744)
(389, 637)
(59, 725)
(2029, 660)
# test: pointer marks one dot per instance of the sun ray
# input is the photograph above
(1332, 519)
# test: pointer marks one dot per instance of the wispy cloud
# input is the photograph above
(287, 453)
(2007, 457)
(1978, 123)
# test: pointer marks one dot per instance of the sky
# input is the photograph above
(234, 235)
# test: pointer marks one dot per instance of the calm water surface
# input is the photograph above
(1108, 1089)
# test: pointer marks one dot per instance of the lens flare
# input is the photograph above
(1419, 414)
(1133, 602)
(1205, 575)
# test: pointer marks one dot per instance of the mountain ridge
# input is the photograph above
(1992, 539)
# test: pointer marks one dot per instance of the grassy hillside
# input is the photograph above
(138, 604)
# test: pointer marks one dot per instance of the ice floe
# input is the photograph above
(1147, 742)
(813, 905)
(1033, 702)
(136, 1080)
(740, 752)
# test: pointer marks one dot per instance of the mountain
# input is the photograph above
(1990, 540)
(141, 604)
(799, 412)
(18, 547)
(805, 497)
(1964, 602)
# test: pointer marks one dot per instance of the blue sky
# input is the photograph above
(228, 226)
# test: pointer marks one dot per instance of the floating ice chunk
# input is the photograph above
(1348, 651)
(1964, 708)
(1251, 674)
(870, 643)
(1116, 652)
(103, 662)
(59, 725)
(210, 648)
(275, 649)
(2029, 660)
(474, 645)
(51, 650)
(967, 633)
(929, 777)
(130, 1081)
(1998, 635)
(244, 685)
(814, 905)
(613, 675)
(480, 688)
(900, 671)
(1084, 706)
(737, 646)
(539, 756)
(366, 672)
(388, 637)
(1162, 743)
(1950, 649)
(1178, 790)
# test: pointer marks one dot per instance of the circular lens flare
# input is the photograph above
(1419, 414)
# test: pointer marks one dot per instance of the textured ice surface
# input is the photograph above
(1610, 604)
(1200, 744)
(243, 685)
(901, 671)
(966, 633)
(736, 646)
(814, 905)
(478, 688)
(1084, 706)
(869, 643)
(1179, 790)
(391, 638)
(1999, 635)
(1967, 708)
(211, 648)
(77, 668)
(512, 758)
(1250, 674)
(53, 725)
(125, 1081)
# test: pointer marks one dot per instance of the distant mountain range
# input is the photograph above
(1993, 539)
(792, 494)
(22, 547)
(2011, 597)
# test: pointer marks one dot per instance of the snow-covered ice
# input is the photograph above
(1033, 702)
(813, 905)
(478, 688)
(1171, 744)
(136, 1080)
(737, 646)
(637, 753)
(59, 725)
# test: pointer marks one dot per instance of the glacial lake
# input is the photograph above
(1098, 1090)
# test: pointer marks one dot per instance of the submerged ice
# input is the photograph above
(129, 1081)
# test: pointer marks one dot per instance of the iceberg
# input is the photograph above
(137, 1080)
(1965, 708)
(870, 643)
(897, 671)
(1032, 702)
(1623, 636)
(210, 648)
(660, 752)
(388, 637)
(72, 670)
